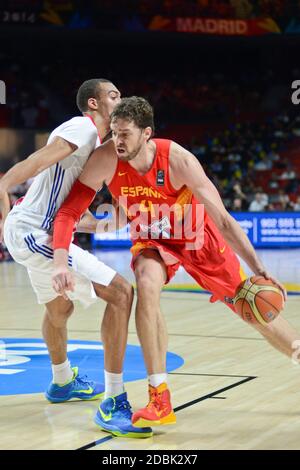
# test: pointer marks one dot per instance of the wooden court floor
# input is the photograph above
(233, 391)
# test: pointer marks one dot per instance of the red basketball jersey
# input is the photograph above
(155, 208)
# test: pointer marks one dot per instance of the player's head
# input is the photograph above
(99, 95)
(132, 126)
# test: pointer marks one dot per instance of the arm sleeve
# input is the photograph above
(78, 200)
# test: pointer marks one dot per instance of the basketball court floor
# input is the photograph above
(231, 390)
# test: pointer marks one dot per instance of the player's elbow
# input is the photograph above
(61, 144)
(225, 223)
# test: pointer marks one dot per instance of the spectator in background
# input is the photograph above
(273, 156)
(297, 204)
(292, 186)
(29, 115)
(263, 164)
(270, 207)
(242, 8)
(237, 205)
(248, 186)
(264, 195)
(288, 174)
(238, 191)
(259, 204)
(283, 201)
(273, 183)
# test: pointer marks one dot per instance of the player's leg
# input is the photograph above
(114, 328)
(32, 251)
(219, 271)
(67, 384)
(95, 279)
(151, 274)
(54, 331)
(114, 413)
(280, 334)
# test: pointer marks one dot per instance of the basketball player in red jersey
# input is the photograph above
(142, 173)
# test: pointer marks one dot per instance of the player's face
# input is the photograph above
(128, 138)
(108, 100)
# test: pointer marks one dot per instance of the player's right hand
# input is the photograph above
(275, 281)
(63, 281)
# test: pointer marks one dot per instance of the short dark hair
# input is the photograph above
(88, 89)
(135, 109)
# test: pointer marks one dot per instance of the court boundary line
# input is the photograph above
(185, 405)
(214, 375)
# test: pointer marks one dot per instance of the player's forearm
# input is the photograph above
(18, 174)
(36, 163)
(90, 224)
(63, 228)
(239, 242)
(22, 171)
(87, 224)
(117, 220)
(75, 205)
(61, 258)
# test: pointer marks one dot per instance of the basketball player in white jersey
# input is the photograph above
(27, 233)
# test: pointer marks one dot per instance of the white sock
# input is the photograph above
(113, 384)
(156, 379)
(62, 373)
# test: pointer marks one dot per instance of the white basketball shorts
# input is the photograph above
(32, 248)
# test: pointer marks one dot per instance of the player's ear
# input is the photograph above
(92, 103)
(148, 133)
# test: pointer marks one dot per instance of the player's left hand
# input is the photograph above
(63, 281)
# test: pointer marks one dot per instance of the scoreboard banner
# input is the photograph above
(271, 229)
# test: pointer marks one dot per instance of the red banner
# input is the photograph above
(215, 26)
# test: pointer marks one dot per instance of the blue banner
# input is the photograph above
(264, 229)
(271, 229)
(119, 239)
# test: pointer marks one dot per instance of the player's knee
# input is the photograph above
(69, 310)
(126, 293)
(59, 316)
(123, 292)
(147, 285)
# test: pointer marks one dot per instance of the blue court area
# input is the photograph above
(25, 365)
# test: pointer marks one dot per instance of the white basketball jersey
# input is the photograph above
(51, 187)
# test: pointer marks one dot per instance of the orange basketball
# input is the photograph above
(258, 300)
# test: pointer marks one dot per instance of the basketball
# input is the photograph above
(258, 300)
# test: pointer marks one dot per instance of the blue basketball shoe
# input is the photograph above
(114, 416)
(79, 387)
